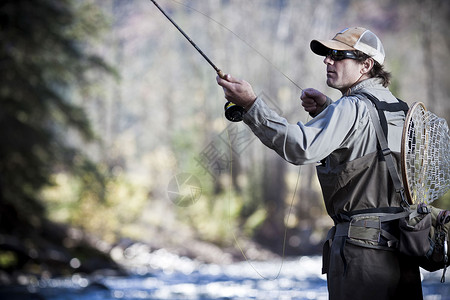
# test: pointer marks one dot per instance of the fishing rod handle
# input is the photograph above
(221, 74)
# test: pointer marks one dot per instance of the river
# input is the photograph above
(185, 279)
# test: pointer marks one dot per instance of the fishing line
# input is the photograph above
(286, 222)
(231, 151)
(235, 113)
(242, 40)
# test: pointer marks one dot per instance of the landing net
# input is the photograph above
(425, 155)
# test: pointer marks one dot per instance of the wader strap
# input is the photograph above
(386, 152)
(363, 229)
(326, 250)
(385, 210)
(340, 231)
(344, 260)
(384, 106)
(392, 217)
(392, 240)
(395, 214)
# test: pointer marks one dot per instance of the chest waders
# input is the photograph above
(374, 227)
(366, 231)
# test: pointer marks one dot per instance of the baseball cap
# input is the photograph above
(355, 38)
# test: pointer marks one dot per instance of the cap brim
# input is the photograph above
(322, 48)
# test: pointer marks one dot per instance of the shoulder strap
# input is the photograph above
(386, 152)
(385, 106)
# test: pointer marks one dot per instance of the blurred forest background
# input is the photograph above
(113, 129)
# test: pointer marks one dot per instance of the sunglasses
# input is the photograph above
(337, 55)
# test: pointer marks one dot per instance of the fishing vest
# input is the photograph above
(362, 183)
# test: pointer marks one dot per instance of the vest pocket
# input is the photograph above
(365, 229)
(414, 235)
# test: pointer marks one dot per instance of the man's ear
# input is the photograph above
(367, 65)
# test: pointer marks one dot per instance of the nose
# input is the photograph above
(327, 60)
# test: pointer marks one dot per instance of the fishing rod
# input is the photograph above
(242, 40)
(233, 112)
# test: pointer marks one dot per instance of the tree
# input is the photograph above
(42, 57)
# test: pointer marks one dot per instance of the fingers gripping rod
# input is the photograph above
(219, 72)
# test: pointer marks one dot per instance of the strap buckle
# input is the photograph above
(403, 203)
(386, 151)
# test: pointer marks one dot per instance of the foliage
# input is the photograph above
(43, 58)
(41, 55)
(100, 203)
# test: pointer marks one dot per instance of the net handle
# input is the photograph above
(403, 150)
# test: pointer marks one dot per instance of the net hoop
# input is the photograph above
(416, 108)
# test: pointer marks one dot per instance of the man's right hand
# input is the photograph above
(313, 101)
(240, 92)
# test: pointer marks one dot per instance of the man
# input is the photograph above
(353, 172)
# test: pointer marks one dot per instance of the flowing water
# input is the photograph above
(182, 278)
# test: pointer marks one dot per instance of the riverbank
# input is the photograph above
(57, 250)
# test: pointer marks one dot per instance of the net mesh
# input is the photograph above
(426, 156)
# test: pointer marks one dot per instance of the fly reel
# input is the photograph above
(233, 112)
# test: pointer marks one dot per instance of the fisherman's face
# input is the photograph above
(343, 74)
